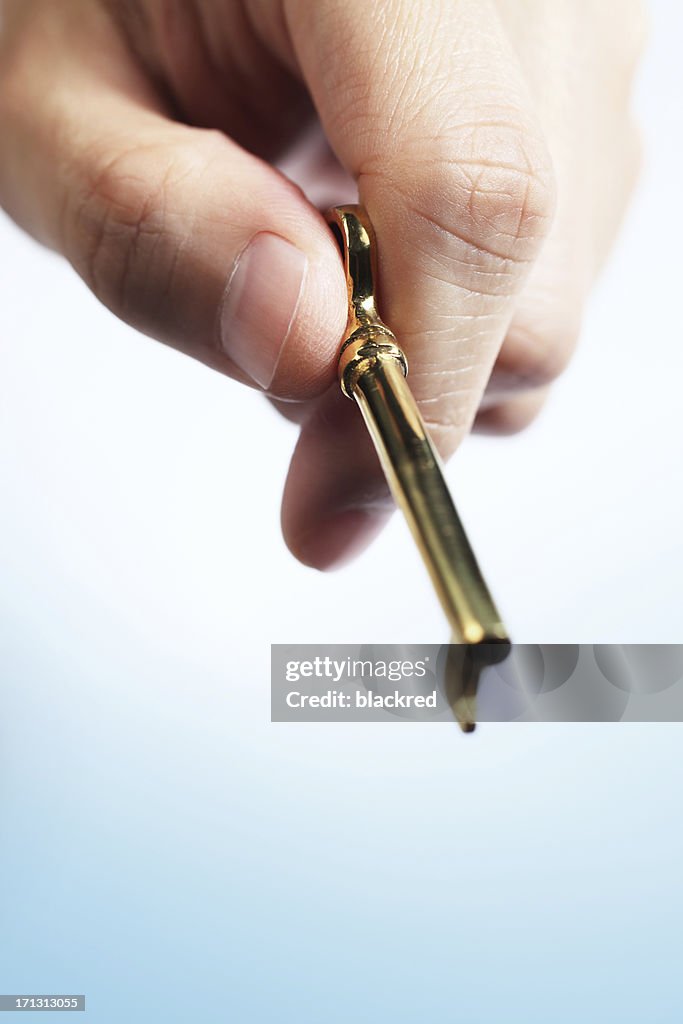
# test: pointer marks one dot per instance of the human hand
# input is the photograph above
(490, 142)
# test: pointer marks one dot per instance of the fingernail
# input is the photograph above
(260, 304)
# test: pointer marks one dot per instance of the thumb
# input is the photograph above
(177, 230)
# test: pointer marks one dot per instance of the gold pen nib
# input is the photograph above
(372, 370)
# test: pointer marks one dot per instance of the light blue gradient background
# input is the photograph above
(174, 856)
(170, 853)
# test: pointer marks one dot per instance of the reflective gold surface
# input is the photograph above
(372, 370)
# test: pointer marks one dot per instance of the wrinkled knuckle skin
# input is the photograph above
(511, 190)
(117, 229)
(492, 190)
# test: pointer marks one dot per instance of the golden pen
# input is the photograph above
(372, 370)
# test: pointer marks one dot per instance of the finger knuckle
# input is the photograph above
(118, 227)
(491, 188)
(534, 357)
(510, 187)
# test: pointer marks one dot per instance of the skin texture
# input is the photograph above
(152, 141)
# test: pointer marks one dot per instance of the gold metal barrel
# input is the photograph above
(372, 370)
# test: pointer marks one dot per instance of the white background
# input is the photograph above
(152, 485)
(156, 826)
